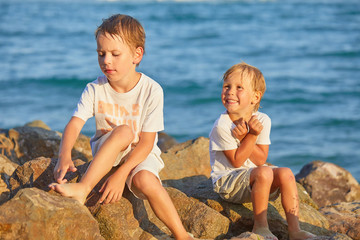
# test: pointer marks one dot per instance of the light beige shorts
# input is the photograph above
(235, 187)
(153, 163)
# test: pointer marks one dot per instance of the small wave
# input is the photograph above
(344, 53)
(46, 83)
(338, 122)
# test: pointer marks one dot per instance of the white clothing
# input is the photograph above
(141, 108)
(221, 139)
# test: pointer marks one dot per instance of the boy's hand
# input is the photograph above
(62, 167)
(255, 126)
(113, 188)
(240, 129)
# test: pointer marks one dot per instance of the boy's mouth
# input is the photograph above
(230, 101)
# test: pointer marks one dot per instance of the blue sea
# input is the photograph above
(308, 50)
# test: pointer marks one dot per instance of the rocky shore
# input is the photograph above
(329, 196)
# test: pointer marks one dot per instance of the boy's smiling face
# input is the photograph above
(238, 97)
(117, 61)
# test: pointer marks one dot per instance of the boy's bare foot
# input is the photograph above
(301, 235)
(71, 190)
(187, 236)
(265, 232)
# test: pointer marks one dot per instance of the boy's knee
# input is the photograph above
(286, 175)
(144, 181)
(264, 174)
(123, 131)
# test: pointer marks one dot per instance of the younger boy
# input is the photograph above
(239, 145)
(128, 110)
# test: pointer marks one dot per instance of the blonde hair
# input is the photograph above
(255, 76)
(127, 27)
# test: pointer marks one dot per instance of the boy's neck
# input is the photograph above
(127, 85)
(240, 116)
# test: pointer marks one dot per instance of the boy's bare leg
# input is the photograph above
(160, 202)
(261, 179)
(103, 161)
(285, 180)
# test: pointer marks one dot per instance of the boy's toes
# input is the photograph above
(52, 185)
(266, 233)
(301, 235)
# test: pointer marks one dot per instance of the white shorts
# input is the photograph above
(153, 163)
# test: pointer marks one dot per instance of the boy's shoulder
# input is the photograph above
(262, 116)
(148, 81)
(223, 121)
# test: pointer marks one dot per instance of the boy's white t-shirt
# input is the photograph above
(141, 108)
(221, 139)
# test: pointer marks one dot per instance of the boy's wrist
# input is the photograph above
(123, 170)
(64, 156)
(252, 135)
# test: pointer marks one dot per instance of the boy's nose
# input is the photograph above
(107, 59)
(230, 91)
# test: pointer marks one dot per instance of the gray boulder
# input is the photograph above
(328, 183)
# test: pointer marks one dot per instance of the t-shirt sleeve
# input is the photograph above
(85, 106)
(222, 139)
(264, 136)
(154, 119)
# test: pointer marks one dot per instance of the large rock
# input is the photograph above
(6, 145)
(133, 218)
(4, 191)
(165, 141)
(328, 183)
(22, 144)
(241, 215)
(39, 124)
(39, 173)
(199, 219)
(7, 168)
(187, 159)
(187, 169)
(344, 218)
(33, 142)
(118, 220)
(34, 214)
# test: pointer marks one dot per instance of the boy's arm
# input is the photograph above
(114, 185)
(65, 163)
(248, 147)
(257, 153)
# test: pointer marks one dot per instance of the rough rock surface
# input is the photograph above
(35, 214)
(187, 159)
(165, 141)
(241, 215)
(138, 221)
(22, 144)
(344, 218)
(328, 183)
(7, 168)
(39, 173)
(185, 177)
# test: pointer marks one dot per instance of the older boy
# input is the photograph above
(239, 145)
(128, 110)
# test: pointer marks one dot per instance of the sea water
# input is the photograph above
(309, 52)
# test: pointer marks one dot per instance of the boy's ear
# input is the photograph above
(138, 54)
(256, 97)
